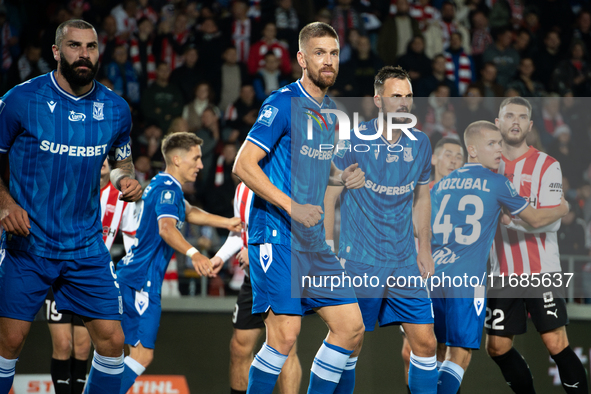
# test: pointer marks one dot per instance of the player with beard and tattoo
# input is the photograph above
(286, 234)
(57, 130)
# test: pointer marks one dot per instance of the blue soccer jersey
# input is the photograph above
(465, 211)
(145, 264)
(376, 220)
(56, 144)
(296, 165)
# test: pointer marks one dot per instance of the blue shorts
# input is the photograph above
(387, 301)
(141, 316)
(276, 286)
(458, 321)
(86, 286)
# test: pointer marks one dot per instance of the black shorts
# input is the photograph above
(508, 316)
(243, 318)
(54, 317)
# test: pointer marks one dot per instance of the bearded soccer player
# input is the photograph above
(286, 231)
(520, 249)
(57, 130)
(69, 337)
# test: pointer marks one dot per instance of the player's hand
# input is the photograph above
(425, 263)
(564, 205)
(353, 177)
(15, 220)
(243, 259)
(202, 265)
(218, 264)
(309, 215)
(234, 224)
(131, 190)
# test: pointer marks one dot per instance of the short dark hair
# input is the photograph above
(316, 30)
(517, 101)
(386, 73)
(444, 141)
(475, 128)
(60, 32)
(184, 141)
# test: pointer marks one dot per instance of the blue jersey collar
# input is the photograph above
(173, 178)
(62, 91)
(306, 94)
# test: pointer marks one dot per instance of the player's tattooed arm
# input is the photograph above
(200, 217)
(14, 219)
(123, 177)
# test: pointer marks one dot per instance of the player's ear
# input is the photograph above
(56, 52)
(377, 100)
(472, 151)
(434, 160)
(497, 122)
(301, 60)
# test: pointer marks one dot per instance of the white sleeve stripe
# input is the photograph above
(3, 150)
(425, 182)
(259, 143)
(520, 209)
(168, 216)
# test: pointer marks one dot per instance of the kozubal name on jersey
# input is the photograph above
(390, 190)
(463, 183)
(73, 150)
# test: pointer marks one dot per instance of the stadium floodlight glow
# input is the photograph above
(345, 125)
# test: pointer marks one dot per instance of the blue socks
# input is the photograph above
(132, 370)
(329, 363)
(264, 370)
(450, 378)
(105, 375)
(347, 383)
(7, 368)
(422, 374)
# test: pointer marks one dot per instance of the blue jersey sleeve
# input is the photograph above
(121, 148)
(10, 120)
(272, 122)
(168, 203)
(508, 196)
(426, 155)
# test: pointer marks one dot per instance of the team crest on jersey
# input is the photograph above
(97, 110)
(76, 117)
(511, 188)
(479, 300)
(167, 197)
(408, 154)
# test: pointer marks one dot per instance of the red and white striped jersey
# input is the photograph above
(237, 241)
(241, 38)
(538, 177)
(116, 214)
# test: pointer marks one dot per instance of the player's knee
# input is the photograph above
(493, 350)
(62, 346)
(405, 353)
(12, 341)
(241, 347)
(81, 350)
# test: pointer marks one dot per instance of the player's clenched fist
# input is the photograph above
(234, 224)
(202, 264)
(15, 220)
(353, 177)
(131, 190)
(309, 215)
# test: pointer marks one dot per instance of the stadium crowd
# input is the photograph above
(206, 67)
